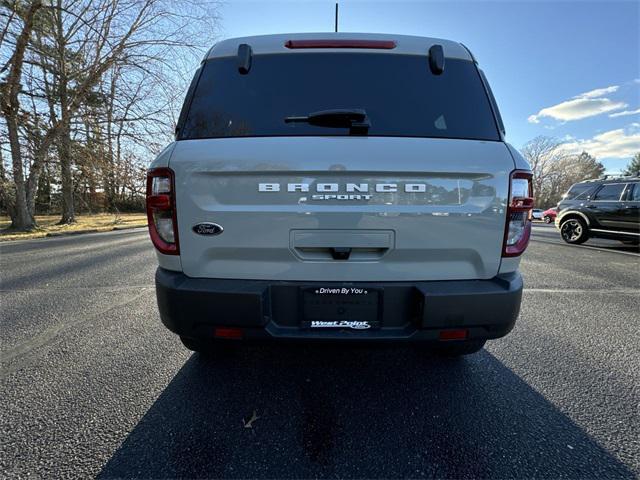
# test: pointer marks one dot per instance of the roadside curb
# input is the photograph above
(142, 225)
(75, 232)
(92, 230)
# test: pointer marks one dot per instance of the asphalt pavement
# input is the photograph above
(93, 385)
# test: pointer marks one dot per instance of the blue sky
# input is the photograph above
(570, 70)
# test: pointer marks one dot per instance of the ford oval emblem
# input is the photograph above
(208, 228)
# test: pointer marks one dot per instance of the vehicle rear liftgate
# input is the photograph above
(429, 219)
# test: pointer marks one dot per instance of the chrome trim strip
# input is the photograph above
(614, 231)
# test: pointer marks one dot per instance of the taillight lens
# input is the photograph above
(161, 210)
(518, 227)
(341, 43)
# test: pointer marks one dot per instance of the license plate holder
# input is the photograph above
(330, 308)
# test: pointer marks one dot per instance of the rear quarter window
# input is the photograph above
(610, 192)
(400, 94)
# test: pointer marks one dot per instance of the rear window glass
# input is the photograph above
(398, 92)
(610, 192)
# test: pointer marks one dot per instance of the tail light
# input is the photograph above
(161, 210)
(518, 229)
(341, 43)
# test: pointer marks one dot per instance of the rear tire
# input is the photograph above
(453, 350)
(547, 219)
(574, 231)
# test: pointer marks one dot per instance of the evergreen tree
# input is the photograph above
(634, 166)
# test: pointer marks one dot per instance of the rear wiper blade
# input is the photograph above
(355, 119)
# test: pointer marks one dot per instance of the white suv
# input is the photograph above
(342, 187)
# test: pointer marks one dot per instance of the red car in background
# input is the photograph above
(549, 215)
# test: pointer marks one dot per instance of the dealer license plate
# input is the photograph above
(355, 308)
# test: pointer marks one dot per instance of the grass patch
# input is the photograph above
(47, 224)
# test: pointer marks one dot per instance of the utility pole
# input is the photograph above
(336, 17)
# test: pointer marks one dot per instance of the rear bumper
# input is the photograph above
(410, 311)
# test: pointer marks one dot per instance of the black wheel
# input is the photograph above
(547, 219)
(574, 231)
(456, 349)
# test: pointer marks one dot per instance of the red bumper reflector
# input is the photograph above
(458, 334)
(225, 332)
(343, 43)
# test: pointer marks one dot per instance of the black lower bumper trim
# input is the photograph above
(416, 311)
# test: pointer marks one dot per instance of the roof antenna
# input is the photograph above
(336, 30)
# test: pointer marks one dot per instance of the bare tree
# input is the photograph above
(542, 153)
(99, 74)
(554, 170)
(21, 217)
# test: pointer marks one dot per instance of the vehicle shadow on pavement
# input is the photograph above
(375, 412)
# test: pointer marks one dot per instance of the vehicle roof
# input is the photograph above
(405, 44)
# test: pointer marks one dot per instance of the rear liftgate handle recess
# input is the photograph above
(340, 253)
(341, 245)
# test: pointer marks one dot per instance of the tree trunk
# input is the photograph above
(64, 139)
(110, 180)
(64, 143)
(21, 218)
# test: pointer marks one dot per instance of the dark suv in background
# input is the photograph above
(606, 208)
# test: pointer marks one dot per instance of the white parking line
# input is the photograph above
(613, 291)
(599, 249)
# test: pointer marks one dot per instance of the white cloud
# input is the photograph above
(577, 109)
(587, 104)
(624, 113)
(598, 92)
(611, 144)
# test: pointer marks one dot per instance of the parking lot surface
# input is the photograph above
(93, 385)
